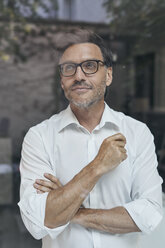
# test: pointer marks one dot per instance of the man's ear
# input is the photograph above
(109, 76)
(62, 85)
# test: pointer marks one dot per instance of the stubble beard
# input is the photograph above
(98, 95)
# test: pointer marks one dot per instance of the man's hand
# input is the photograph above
(43, 186)
(111, 153)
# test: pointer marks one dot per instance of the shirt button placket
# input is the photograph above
(91, 155)
(92, 151)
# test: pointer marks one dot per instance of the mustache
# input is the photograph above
(81, 83)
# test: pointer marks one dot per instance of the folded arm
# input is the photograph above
(115, 220)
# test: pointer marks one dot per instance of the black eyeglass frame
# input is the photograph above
(80, 64)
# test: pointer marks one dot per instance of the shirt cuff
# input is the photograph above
(33, 217)
(144, 214)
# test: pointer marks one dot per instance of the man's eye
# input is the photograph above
(89, 65)
(69, 67)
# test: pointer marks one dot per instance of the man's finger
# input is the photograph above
(119, 143)
(45, 183)
(53, 179)
(45, 188)
(117, 136)
(123, 150)
(41, 188)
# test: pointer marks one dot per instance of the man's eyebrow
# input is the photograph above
(72, 62)
(67, 61)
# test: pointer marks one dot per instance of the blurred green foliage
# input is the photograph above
(15, 27)
(138, 17)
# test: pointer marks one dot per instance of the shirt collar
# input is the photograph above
(109, 116)
(67, 118)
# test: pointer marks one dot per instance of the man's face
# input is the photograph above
(83, 90)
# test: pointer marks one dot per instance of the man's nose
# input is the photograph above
(79, 75)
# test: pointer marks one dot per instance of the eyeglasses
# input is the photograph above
(88, 67)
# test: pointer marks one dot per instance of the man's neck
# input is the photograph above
(89, 117)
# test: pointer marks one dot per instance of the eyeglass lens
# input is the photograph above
(88, 67)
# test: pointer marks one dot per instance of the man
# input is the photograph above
(88, 174)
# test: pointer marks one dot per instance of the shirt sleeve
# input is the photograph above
(34, 163)
(146, 205)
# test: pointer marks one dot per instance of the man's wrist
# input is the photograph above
(76, 218)
(96, 166)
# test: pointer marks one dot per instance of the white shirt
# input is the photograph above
(62, 147)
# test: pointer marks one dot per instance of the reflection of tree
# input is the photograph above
(15, 28)
(140, 16)
(142, 22)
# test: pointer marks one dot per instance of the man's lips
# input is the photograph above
(81, 89)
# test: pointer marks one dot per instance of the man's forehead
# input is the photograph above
(81, 51)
